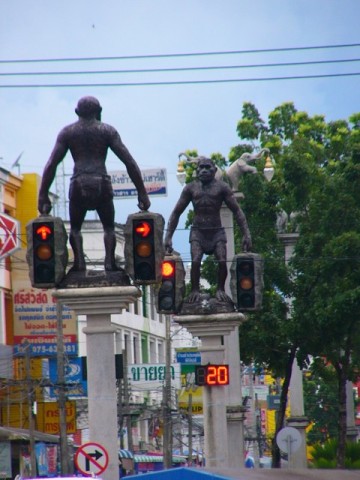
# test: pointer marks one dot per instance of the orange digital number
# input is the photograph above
(211, 378)
(223, 375)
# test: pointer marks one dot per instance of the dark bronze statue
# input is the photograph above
(88, 140)
(207, 235)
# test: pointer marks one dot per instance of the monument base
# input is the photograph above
(206, 305)
(95, 278)
(210, 325)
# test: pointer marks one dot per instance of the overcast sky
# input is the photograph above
(157, 122)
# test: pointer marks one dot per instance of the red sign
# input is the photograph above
(9, 235)
(91, 459)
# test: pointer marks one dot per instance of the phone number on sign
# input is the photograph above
(46, 349)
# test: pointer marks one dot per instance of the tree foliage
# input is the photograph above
(312, 306)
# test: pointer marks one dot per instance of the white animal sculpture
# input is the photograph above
(236, 169)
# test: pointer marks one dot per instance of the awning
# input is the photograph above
(157, 458)
(125, 454)
(10, 433)
(148, 458)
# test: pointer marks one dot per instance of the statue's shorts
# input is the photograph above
(207, 238)
(91, 190)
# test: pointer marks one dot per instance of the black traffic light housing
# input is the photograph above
(171, 290)
(47, 253)
(247, 281)
(144, 248)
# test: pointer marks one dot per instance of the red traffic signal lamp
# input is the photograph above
(166, 295)
(212, 375)
(144, 250)
(47, 253)
(171, 290)
(247, 281)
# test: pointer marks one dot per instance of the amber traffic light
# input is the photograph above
(167, 291)
(247, 281)
(171, 290)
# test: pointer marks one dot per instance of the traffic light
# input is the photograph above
(47, 253)
(172, 287)
(247, 281)
(212, 375)
(144, 250)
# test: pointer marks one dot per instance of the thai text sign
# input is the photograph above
(154, 373)
(188, 355)
(48, 417)
(155, 182)
(35, 318)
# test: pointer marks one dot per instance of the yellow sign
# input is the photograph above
(189, 388)
(48, 415)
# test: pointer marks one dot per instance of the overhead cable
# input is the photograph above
(181, 69)
(180, 82)
(174, 55)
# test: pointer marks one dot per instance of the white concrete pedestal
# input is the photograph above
(98, 303)
(211, 329)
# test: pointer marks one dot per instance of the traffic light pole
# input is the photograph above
(98, 304)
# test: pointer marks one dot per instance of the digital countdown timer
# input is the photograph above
(211, 375)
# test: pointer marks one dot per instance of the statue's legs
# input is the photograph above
(222, 274)
(76, 243)
(77, 216)
(110, 244)
(106, 214)
(195, 276)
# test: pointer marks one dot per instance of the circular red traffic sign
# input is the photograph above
(91, 459)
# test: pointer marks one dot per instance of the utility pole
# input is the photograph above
(167, 433)
(30, 397)
(120, 402)
(190, 431)
(127, 405)
(64, 454)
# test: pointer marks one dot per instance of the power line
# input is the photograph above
(176, 55)
(182, 82)
(181, 69)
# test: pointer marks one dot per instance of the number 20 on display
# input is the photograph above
(212, 375)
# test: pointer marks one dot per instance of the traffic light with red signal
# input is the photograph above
(144, 249)
(247, 281)
(172, 287)
(47, 253)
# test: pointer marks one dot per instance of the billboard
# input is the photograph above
(35, 317)
(48, 415)
(155, 181)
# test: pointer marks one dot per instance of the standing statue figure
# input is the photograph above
(207, 235)
(88, 140)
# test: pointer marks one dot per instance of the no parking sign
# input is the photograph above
(91, 459)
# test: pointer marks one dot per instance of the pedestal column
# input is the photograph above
(98, 304)
(212, 329)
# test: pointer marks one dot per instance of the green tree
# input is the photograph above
(321, 402)
(315, 194)
(316, 189)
